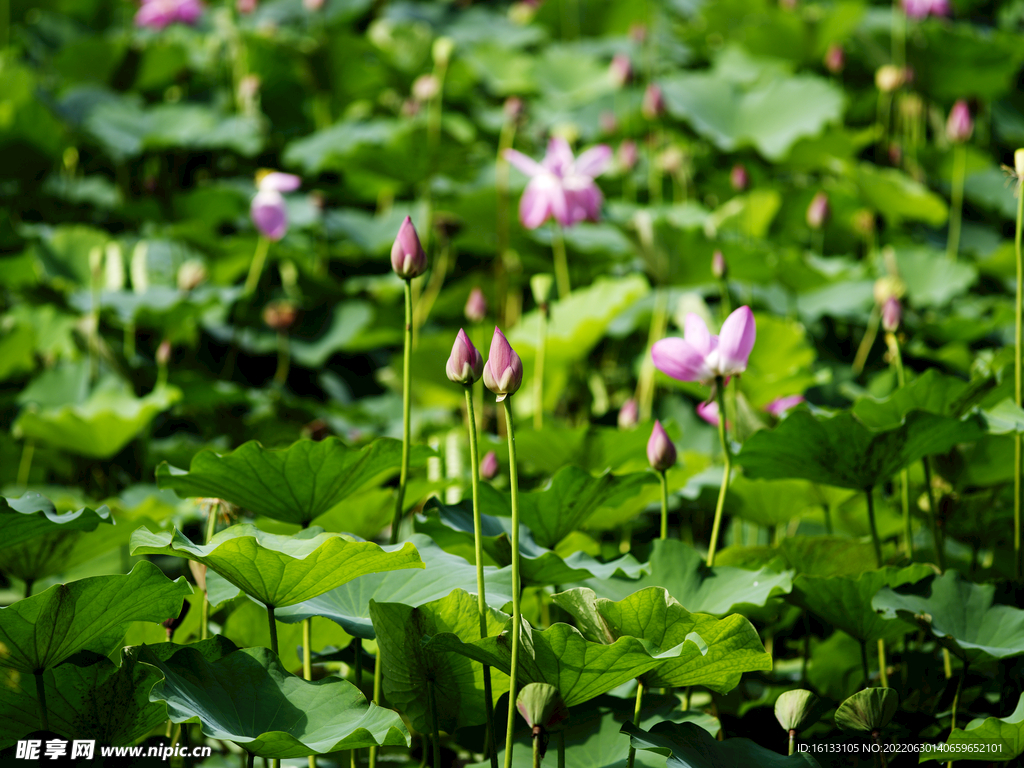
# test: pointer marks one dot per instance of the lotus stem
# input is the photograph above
(883, 672)
(478, 547)
(636, 720)
(273, 628)
(44, 718)
(908, 527)
(259, 258)
(513, 476)
(378, 679)
(561, 262)
(957, 201)
(645, 383)
(727, 458)
(561, 749)
(792, 739)
(874, 528)
(538, 376)
(501, 174)
(1017, 387)
(664, 505)
(956, 701)
(307, 662)
(435, 732)
(28, 451)
(211, 529)
(28, 587)
(864, 664)
(406, 400)
(536, 750)
(940, 554)
(283, 359)
(870, 333)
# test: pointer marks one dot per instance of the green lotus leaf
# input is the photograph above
(91, 614)
(409, 664)
(295, 484)
(1000, 738)
(932, 391)
(842, 451)
(869, 710)
(689, 746)
(249, 698)
(726, 649)
(845, 601)
(280, 570)
(349, 604)
(34, 515)
(681, 570)
(960, 614)
(825, 556)
(772, 502)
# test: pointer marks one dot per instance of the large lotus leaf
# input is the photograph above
(538, 566)
(294, 485)
(932, 391)
(91, 614)
(100, 426)
(772, 502)
(932, 278)
(280, 570)
(34, 515)
(409, 664)
(561, 656)
(897, 196)
(726, 649)
(997, 739)
(681, 570)
(960, 614)
(349, 604)
(94, 698)
(247, 697)
(845, 602)
(781, 363)
(688, 746)
(247, 626)
(825, 556)
(842, 451)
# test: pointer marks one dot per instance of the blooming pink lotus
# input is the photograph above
(561, 186)
(268, 209)
(699, 356)
(158, 14)
(919, 9)
(709, 412)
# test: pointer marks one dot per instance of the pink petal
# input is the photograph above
(269, 214)
(527, 165)
(280, 182)
(559, 204)
(594, 161)
(675, 357)
(709, 412)
(780, 405)
(535, 205)
(559, 158)
(736, 341)
(697, 334)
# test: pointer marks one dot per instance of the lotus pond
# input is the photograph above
(653, 366)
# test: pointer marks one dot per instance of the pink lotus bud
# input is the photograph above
(892, 313)
(407, 256)
(489, 465)
(718, 266)
(738, 177)
(627, 155)
(781, 405)
(476, 306)
(629, 414)
(959, 126)
(709, 412)
(513, 108)
(660, 450)
(621, 70)
(244, 6)
(312, 5)
(425, 88)
(835, 58)
(653, 104)
(268, 210)
(465, 363)
(503, 373)
(280, 315)
(919, 9)
(163, 353)
(817, 211)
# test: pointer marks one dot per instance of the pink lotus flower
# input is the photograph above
(892, 313)
(268, 210)
(835, 58)
(959, 126)
(503, 373)
(709, 412)
(561, 186)
(699, 356)
(158, 14)
(407, 256)
(781, 405)
(489, 465)
(465, 363)
(652, 105)
(719, 267)
(620, 70)
(818, 211)
(476, 306)
(661, 453)
(629, 414)
(738, 177)
(919, 9)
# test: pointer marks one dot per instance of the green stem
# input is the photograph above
(561, 749)
(864, 664)
(940, 554)
(870, 333)
(1017, 387)
(792, 739)
(406, 400)
(28, 587)
(513, 475)
(251, 761)
(536, 750)
(956, 702)
(501, 174)
(211, 528)
(28, 450)
(283, 359)
(645, 382)
(561, 262)
(874, 528)
(538, 376)
(908, 527)
(883, 672)
(727, 458)
(256, 268)
(378, 679)
(435, 732)
(273, 628)
(636, 720)
(44, 718)
(957, 201)
(664, 505)
(307, 662)
(478, 546)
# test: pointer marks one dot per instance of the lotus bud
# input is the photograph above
(629, 414)
(476, 306)
(442, 51)
(718, 266)
(163, 353)
(280, 315)
(888, 78)
(608, 122)
(191, 274)
(653, 104)
(835, 58)
(959, 126)
(1018, 163)
(407, 256)
(489, 465)
(738, 177)
(543, 709)
(627, 155)
(503, 372)
(661, 453)
(887, 286)
(891, 315)
(541, 286)
(513, 108)
(465, 363)
(245, 6)
(425, 88)
(620, 70)
(818, 211)
(312, 5)
(638, 32)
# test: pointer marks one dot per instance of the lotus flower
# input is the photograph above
(661, 453)
(835, 58)
(476, 306)
(621, 70)
(489, 465)
(407, 256)
(719, 267)
(781, 405)
(699, 356)
(561, 186)
(503, 373)
(465, 363)
(709, 412)
(818, 211)
(739, 179)
(652, 105)
(959, 126)
(629, 414)
(892, 313)
(268, 210)
(919, 9)
(158, 14)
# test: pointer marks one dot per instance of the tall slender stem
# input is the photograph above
(273, 628)
(636, 720)
(957, 201)
(536, 750)
(940, 554)
(307, 662)
(874, 528)
(25, 466)
(664, 505)
(256, 268)
(211, 529)
(435, 731)
(645, 382)
(561, 262)
(406, 400)
(1017, 386)
(864, 664)
(478, 546)
(513, 475)
(908, 527)
(561, 749)
(727, 458)
(538, 376)
(870, 334)
(883, 672)
(956, 701)
(378, 680)
(44, 717)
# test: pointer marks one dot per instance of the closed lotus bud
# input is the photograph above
(891, 315)
(489, 465)
(609, 122)
(738, 177)
(638, 32)
(280, 315)
(661, 453)
(888, 78)
(312, 5)
(835, 58)
(513, 108)
(245, 6)
(718, 266)
(888, 286)
(465, 363)
(425, 88)
(1018, 163)
(163, 353)
(503, 372)
(629, 414)
(959, 126)
(817, 211)
(407, 256)
(191, 274)
(620, 70)
(653, 104)
(627, 155)
(476, 306)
